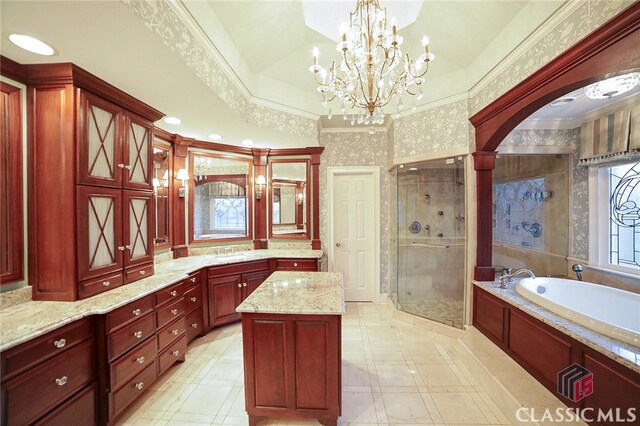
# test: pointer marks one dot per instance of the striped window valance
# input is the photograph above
(612, 137)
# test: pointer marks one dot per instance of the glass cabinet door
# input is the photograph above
(139, 222)
(138, 153)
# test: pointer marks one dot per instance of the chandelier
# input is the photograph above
(372, 69)
(611, 87)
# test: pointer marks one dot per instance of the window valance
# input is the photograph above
(612, 137)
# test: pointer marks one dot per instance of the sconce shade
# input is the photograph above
(156, 182)
(260, 180)
(182, 174)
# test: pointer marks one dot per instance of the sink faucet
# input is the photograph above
(506, 276)
(577, 268)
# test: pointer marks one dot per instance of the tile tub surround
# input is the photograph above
(624, 353)
(309, 293)
(31, 319)
(393, 372)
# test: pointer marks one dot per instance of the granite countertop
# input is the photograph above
(308, 293)
(625, 353)
(25, 321)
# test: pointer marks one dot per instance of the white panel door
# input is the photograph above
(353, 234)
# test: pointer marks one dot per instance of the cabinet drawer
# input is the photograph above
(129, 313)
(29, 354)
(170, 333)
(193, 298)
(78, 411)
(175, 352)
(30, 395)
(130, 336)
(100, 285)
(169, 312)
(193, 324)
(193, 279)
(170, 293)
(238, 268)
(132, 389)
(138, 273)
(296, 265)
(132, 363)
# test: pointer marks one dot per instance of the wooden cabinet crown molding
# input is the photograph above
(68, 73)
(13, 70)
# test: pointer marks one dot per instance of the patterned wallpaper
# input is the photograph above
(582, 21)
(159, 17)
(433, 130)
(358, 149)
(543, 137)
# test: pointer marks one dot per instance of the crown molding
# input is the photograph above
(562, 13)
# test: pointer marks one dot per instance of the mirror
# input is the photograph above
(161, 188)
(219, 200)
(288, 199)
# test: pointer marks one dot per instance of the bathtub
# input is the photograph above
(610, 311)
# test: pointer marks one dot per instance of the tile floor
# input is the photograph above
(397, 369)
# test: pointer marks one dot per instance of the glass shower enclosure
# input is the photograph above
(428, 247)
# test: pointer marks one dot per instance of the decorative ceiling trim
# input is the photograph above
(176, 28)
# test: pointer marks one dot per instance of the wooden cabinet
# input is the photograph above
(90, 144)
(171, 334)
(48, 373)
(226, 291)
(307, 265)
(194, 308)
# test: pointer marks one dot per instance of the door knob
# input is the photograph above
(338, 245)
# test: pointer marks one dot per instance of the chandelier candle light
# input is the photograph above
(373, 69)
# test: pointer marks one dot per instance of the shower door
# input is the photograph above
(430, 240)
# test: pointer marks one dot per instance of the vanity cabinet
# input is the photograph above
(229, 285)
(91, 215)
(43, 377)
(194, 308)
(306, 265)
(171, 335)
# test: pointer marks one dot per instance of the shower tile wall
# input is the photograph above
(430, 279)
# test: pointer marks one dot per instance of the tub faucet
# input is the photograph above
(506, 276)
(577, 268)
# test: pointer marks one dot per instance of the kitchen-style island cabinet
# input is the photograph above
(291, 332)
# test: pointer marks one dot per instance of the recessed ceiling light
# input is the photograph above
(215, 137)
(31, 44)
(172, 120)
(247, 142)
(611, 87)
(562, 101)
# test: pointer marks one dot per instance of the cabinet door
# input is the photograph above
(251, 281)
(138, 152)
(99, 231)
(224, 298)
(138, 223)
(100, 159)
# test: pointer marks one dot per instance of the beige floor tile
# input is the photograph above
(438, 375)
(395, 375)
(205, 399)
(458, 408)
(406, 408)
(355, 374)
(358, 407)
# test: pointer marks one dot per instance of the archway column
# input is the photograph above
(484, 162)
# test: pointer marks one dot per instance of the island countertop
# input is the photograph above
(308, 293)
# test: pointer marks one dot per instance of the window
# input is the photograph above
(617, 237)
(229, 214)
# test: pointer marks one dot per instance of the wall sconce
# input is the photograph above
(260, 181)
(184, 177)
(156, 183)
(300, 198)
(165, 179)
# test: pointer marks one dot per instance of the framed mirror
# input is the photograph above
(220, 194)
(162, 165)
(289, 199)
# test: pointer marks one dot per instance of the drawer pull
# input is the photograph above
(61, 381)
(174, 293)
(194, 299)
(137, 334)
(128, 247)
(194, 325)
(140, 360)
(244, 284)
(175, 332)
(143, 272)
(295, 264)
(106, 283)
(239, 285)
(121, 248)
(193, 280)
(176, 353)
(139, 386)
(174, 311)
(59, 343)
(128, 167)
(121, 165)
(136, 312)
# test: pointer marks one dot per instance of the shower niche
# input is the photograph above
(429, 240)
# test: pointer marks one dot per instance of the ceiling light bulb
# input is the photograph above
(247, 142)
(215, 136)
(31, 44)
(172, 120)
